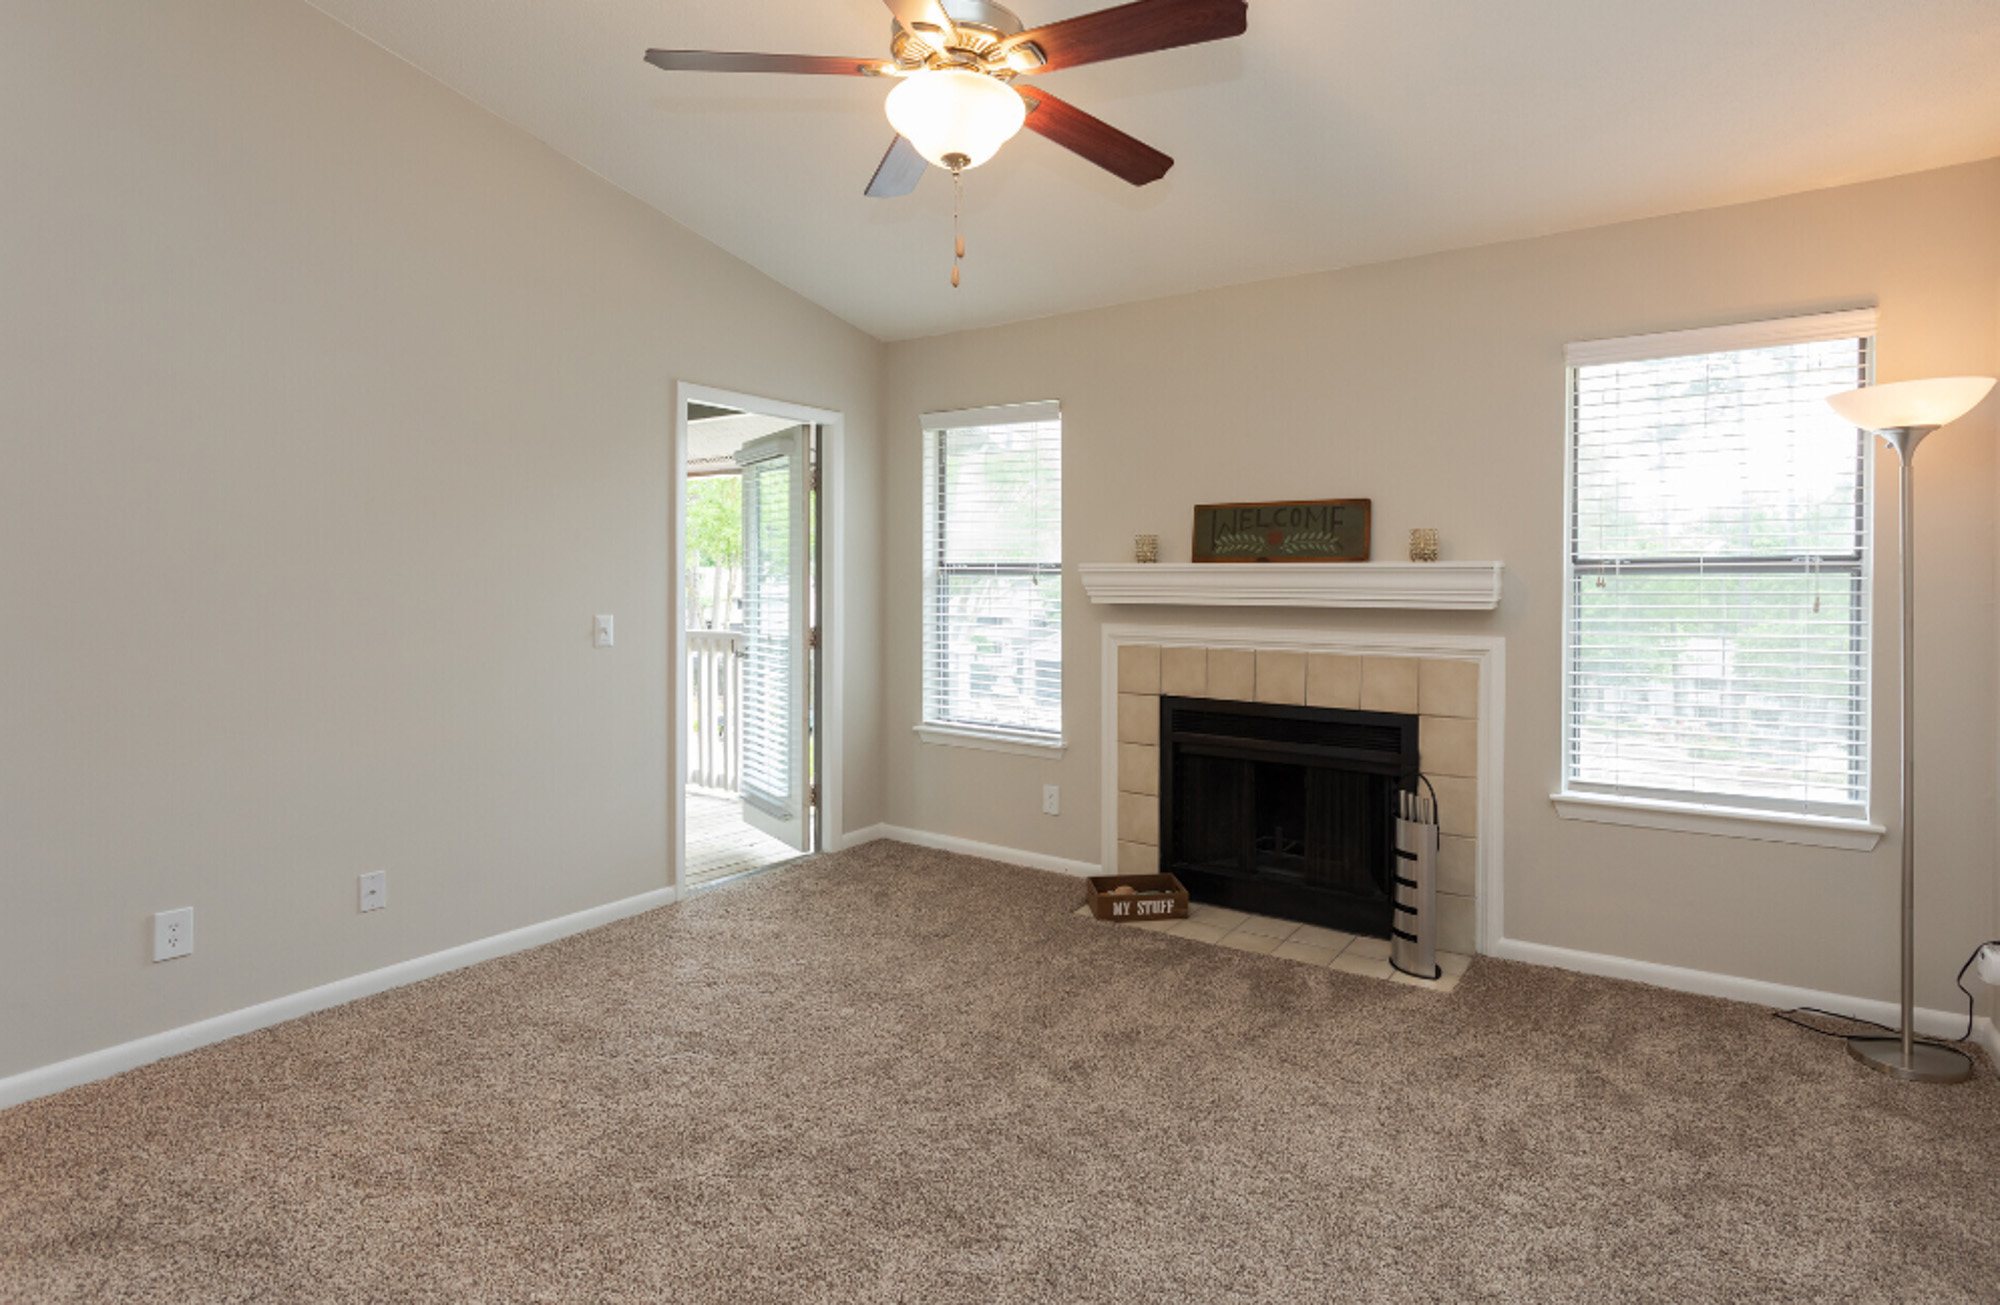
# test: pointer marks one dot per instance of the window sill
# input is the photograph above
(1020, 745)
(1722, 822)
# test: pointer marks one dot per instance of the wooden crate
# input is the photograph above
(1153, 897)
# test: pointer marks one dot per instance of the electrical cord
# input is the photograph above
(1969, 962)
(1787, 1015)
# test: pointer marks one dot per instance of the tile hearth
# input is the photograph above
(1288, 940)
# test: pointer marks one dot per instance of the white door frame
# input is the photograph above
(832, 606)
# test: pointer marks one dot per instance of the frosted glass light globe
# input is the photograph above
(1937, 402)
(954, 112)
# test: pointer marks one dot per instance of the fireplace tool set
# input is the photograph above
(1413, 931)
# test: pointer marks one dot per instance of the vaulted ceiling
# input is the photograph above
(1334, 133)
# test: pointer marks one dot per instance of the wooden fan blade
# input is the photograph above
(899, 172)
(1123, 156)
(923, 18)
(1137, 28)
(723, 61)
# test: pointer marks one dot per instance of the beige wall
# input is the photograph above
(331, 410)
(1435, 387)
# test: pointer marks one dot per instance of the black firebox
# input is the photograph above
(1284, 811)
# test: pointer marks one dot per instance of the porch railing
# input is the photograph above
(715, 692)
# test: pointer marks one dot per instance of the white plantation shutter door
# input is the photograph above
(1718, 578)
(993, 570)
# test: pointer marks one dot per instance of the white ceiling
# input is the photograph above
(1334, 133)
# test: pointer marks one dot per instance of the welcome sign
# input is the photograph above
(1316, 530)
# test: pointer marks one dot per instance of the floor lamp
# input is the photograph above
(1902, 414)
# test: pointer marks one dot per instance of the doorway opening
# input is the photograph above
(750, 616)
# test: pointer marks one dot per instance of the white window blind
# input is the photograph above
(993, 570)
(1718, 578)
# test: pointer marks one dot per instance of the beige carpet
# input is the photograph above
(901, 1075)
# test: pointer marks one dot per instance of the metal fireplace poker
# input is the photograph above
(1413, 931)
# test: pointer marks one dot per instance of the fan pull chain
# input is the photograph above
(957, 221)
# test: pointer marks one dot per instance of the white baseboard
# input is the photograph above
(1930, 1023)
(29, 1084)
(855, 838)
(986, 851)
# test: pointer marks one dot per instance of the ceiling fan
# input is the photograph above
(957, 61)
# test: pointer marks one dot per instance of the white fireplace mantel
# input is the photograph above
(1433, 586)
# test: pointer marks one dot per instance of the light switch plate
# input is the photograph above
(173, 933)
(602, 632)
(374, 890)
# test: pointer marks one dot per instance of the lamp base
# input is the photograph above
(1927, 1063)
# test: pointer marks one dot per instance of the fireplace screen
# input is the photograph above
(1285, 811)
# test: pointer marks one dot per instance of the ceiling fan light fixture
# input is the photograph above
(1025, 58)
(954, 114)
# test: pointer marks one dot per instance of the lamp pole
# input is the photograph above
(1902, 413)
(1903, 1056)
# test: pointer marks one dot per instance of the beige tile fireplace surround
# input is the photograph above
(1444, 692)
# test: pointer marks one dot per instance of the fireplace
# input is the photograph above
(1284, 810)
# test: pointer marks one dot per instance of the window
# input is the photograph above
(993, 574)
(1718, 570)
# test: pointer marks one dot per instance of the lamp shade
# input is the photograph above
(1936, 402)
(950, 111)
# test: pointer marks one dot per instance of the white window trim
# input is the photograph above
(1049, 747)
(1840, 832)
(1816, 328)
(1005, 414)
(1723, 822)
(1023, 745)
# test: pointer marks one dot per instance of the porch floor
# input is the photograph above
(720, 844)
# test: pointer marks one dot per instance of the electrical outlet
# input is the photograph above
(1051, 800)
(173, 933)
(601, 632)
(374, 890)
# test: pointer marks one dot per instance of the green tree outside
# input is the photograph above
(715, 545)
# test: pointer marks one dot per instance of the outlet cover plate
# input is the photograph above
(374, 890)
(1051, 800)
(173, 934)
